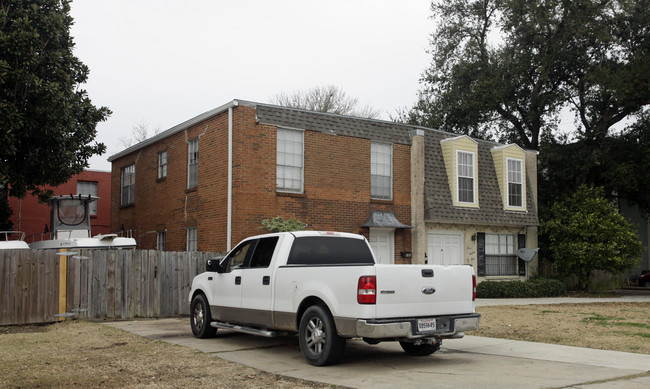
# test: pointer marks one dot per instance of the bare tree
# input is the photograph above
(331, 99)
(139, 133)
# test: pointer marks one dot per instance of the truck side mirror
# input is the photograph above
(213, 264)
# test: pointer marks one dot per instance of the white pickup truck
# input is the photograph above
(327, 287)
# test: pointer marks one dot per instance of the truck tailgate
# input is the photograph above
(423, 290)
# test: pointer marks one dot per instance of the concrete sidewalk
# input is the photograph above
(469, 362)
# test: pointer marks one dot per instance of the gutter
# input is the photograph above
(230, 157)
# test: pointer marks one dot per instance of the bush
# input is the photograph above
(538, 287)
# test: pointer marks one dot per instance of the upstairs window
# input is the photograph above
(515, 183)
(290, 158)
(162, 164)
(193, 163)
(465, 172)
(381, 171)
(128, 185)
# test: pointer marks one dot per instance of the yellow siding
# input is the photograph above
(500, 155)
(450, 147)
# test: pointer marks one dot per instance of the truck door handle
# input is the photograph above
(427, 273)
(266, 280)
(238, 280)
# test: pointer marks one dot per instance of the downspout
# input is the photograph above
(230, 156)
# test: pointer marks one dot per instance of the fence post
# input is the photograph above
(63, 271)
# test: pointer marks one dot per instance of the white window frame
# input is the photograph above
(290, 161)
(472, 177)
(86, 188)
(381, 168)
(162, 164)
(501, 254)
(127, 183)
(192, 239)
(193, 163)
(161, 240)
(520, 183)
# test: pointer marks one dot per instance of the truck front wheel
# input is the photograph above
(319, 342)
(420, 349)
(200, 317)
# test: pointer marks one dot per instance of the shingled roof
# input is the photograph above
(438, 201)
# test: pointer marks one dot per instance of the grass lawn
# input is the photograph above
(87, 354)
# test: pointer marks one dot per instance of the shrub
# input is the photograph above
(538, 287)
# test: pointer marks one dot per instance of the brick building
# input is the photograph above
(30, 216)
(418, 194)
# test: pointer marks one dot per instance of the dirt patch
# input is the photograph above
(84, 354)
(610, 326)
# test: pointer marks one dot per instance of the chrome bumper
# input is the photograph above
(448, 327)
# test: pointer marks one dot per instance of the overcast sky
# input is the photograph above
(163, 62)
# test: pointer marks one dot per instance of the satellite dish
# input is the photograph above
(527, 254)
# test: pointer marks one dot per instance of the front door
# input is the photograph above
(445, 248)
(382, 243)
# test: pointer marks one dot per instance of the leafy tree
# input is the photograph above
(278, 224)
(586, 233)
(330, 99)
(505, 68)
(48, 124)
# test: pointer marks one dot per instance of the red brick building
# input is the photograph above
(414, 192)
(30, 216)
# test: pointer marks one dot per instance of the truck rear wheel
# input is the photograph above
(319, 342)
(200, 317)
(420, 349)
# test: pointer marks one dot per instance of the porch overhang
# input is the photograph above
(380, 219)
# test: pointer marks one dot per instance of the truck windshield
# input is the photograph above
(316, 250)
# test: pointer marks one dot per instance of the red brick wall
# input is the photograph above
(30, 216)
(336, 196)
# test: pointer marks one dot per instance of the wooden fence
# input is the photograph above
(40, 286)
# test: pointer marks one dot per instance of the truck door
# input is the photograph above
(257, 280)
(227, 285)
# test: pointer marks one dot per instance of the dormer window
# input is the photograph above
(465, 173)
(460, 155)
(515, 183)
(510, 165)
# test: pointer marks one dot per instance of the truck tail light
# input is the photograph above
(367, 290)
(473, 287)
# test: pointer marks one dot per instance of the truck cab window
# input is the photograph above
(263, 252)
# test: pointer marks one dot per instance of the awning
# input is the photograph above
(383, 220)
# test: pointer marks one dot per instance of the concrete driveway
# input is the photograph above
(469, 362)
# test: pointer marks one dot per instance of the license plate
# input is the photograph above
(426, 325)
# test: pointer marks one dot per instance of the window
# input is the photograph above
(161, 240)
(312, 250)
(465, 161)
(193, 163)
(515, 183)
(264, 252)
(290, 148)
(191, 239)
(86, 188)
(162, 164)
(500, 255)
(381, 171)
(237, 256)
(128, 185)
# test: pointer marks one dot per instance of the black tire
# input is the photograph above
(319, 342)
(420, 350)
(200, 317)
(645, 284)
